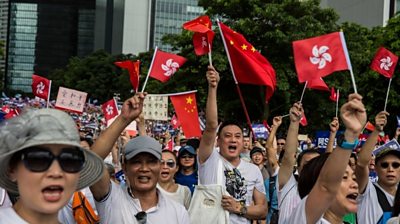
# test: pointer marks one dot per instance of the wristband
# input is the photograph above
(342, 143)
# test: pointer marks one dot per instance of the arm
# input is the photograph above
(334, 127)
(208, 138)
(271, 149)
(364, 156)
(289, 160)
(330, 178)
(141, 125)
(104, 144)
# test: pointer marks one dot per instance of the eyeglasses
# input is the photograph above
(170, 163)
(385, 165)
(280, 143)
(36, 159)
(187, 156)
(141, 217)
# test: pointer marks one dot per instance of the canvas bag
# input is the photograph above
(82, 210)
(205, 206)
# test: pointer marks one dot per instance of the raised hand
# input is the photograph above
(334, 125)
(381, 120)
(212, 77)
(353, 115)
(277, 121)
(296, 112)
(133, 107)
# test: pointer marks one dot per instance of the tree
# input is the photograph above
(2, 54)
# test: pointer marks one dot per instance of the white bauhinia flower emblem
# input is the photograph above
(386, 63)
(170, 67)
(320, 56)
(204, 42)
(40, 88)
(109, 110)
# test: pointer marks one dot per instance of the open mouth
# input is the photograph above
(164, 174)
(52, 193)
(232, 148)
(352, 196)
(144, 179)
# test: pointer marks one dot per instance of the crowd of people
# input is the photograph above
(226, 176)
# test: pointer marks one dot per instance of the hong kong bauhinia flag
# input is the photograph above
(110, 109)
(384, 62)
(249, 66)
(133, 69)
(41, 87)
(317, 83)
(203, 36)
(320, 56)
(165, 64)
(186, 110)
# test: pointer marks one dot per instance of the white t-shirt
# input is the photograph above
(65, 215)
(9, 216)
(119, 207)
(182, 195)
(4, 199)
(239, 182)
(369, 210)
(288, 198)
(298, 215)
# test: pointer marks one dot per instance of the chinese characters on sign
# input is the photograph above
(70, 99)
(155, 107)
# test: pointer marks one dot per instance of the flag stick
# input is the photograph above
(234, 78)
(337, 102)
(151, 66)
(209, 53)
(302, 94)
(48, 97)
(346, 53)
(387, 94)
(286, 115)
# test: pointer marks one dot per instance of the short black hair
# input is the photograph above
(310, 174)
(304, 152)
(227, 123)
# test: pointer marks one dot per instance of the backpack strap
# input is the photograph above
(385, 205)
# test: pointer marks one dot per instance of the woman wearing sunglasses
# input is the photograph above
(42, 161)
(166, 182)
(187, 173)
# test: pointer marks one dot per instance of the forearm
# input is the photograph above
(142, 128)
(104, 144)
(329, 147)
(365, 154)
(291, 144)
(255, 212)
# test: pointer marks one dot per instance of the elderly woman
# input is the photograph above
(42, 161)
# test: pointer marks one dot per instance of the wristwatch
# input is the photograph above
(243, 210)
(342, 143)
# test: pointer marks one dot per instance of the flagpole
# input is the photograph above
(48, 97)
(304, 89)
(234, 78)
(337, 102)
(346, 53)
(151, 66)
(176, 94)
(209, 52)
(387, 94)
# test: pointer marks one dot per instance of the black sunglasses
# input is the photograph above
(280, 143)
(170, 163)
(385, 165)
(36, 159)
(187, 156)
(141, 217)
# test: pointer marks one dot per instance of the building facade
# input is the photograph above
(3, 29)
(43, 35)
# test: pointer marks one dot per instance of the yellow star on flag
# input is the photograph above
(231, 42)
(244, 47)
(253, 49)
(189, 100)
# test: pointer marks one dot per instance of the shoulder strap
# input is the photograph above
(382, 199)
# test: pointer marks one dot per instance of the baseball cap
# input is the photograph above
(187, 148)
(142, 144)
(385, 152)
(255, 149)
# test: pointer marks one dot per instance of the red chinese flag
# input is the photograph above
(186, 111)
(320, 56)
(317, 83)
(40, 87)
(203, 36)
(110, 109)
(174, 122)
(334, 96)
(303, 120)
(369, 126)
(133, 69)
(249, 65)
(384, 62)
(165, 65)
(9, 112)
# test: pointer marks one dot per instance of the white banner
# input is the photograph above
(70, 99)
(155, 107)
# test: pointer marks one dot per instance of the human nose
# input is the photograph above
(55, 169)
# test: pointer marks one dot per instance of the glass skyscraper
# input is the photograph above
(43, 35)
(169, 15)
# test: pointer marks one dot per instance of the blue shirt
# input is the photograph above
(272, 195)
(187, 180)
